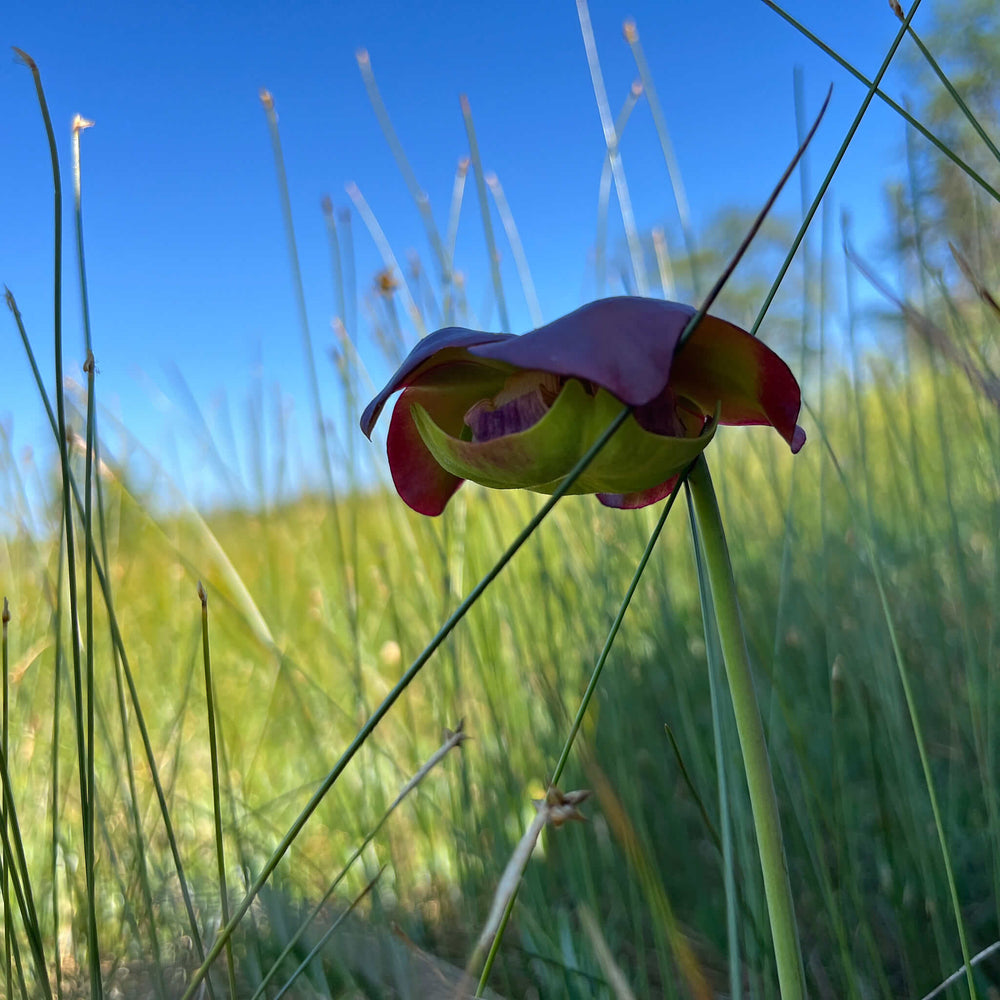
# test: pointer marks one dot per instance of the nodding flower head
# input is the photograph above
(518, 412)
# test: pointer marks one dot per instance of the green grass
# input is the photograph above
(866, 567)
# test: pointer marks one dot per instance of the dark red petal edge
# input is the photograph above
(632, 501)
(419, 480)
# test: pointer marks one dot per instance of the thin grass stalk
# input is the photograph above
(662, 133)
(902, 671)
(57, 672)
(611, 142)
(943, 77)
(451, 237)
(911, 708)
(15, 880)
(958, 973)
(369, 727)
(901, 111)
(16, 864)
(713, 655)
(781, 909)
(300, 296)
(9, 941)
(807, 271)
(88, 575)
(451, 740)
(220, 850)
(88, 579)
(417, 193)
(581, 712)
(613, 973)
(782, 271)
(119, 645)
(346, 232)
(604, 187)
(86, 801)
(686, 966)
(326, 205)
(663, 264)
(976, 675)
(93, 457)
(327, 934)
(5, 739)
(484, 209)
(388, 257)
(905, 682)
(516, 247)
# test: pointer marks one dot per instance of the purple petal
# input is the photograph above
(625, 344)
(488, 422)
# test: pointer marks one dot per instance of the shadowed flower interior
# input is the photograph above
(513, 412)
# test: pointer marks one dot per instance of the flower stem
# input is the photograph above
(763, 801)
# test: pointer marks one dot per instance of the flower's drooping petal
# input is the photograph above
(445, 392)
(540, 457)
(439, 348)
(624, 344)
(643, 498)
(723, 364)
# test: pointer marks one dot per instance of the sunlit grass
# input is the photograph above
(868, 559)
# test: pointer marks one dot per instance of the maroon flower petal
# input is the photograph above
(723, 364)
(438, 348)
(446, 392)
(419, 480)
(631, 501)
(625, 344)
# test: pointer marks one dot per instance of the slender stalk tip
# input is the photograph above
(897, 9)
(266, 98)
(463, 100)
(23, 56)
(637, 89)
(80, 123)
(561, 807)
(363, 58)
(5, 617)
(457, 736)
(202, 595)
(326, 206)
(630, 31)
(463, 165)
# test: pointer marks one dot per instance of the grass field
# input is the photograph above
(869, 586)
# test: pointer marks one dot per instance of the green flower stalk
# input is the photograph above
(519, 412)
(763, 801)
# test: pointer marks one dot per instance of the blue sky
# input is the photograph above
(186, 255)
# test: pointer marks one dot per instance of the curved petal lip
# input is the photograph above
(455, 337)
(540, 457)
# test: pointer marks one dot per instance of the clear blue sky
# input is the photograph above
(185, 247)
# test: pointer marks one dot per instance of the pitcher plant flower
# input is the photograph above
(518, 412)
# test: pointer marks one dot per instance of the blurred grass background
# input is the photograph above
(318, 603)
